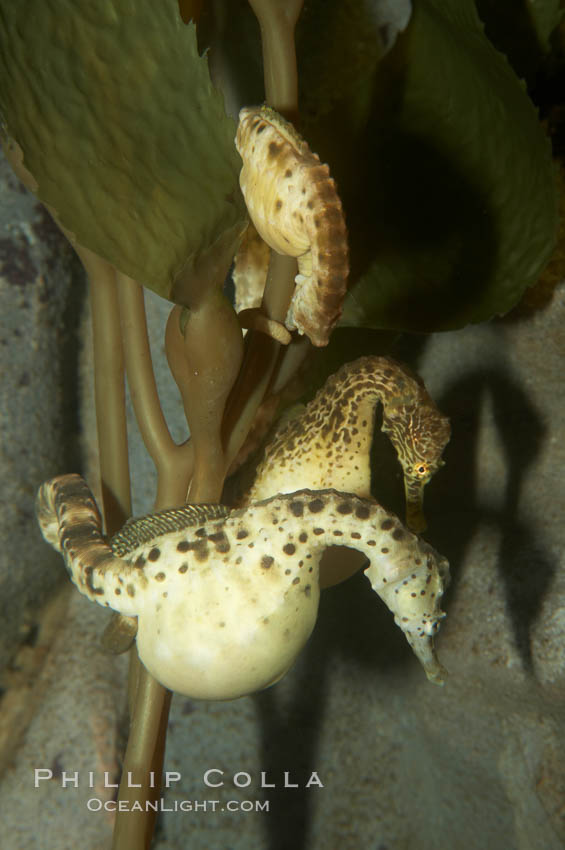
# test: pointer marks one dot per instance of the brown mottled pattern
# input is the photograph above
(224, 607)
(329, 444)
(70, 521)
(295, 208)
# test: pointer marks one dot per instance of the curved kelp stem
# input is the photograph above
(109, 391)
(173, 463)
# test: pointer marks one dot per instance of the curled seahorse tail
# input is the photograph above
(70, 521)
(51, 505)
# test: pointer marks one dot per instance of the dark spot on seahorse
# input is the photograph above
(307, 590)
(315, 506)
(287, 572)
(160, 577)
(362, 512)
(289, 549)
(296, 580)
(183, 546)
(303, 537)
(278, 205)
(356, 535)
(201, 551)
(288, 173)
(345, 508)
(371, 543)
(183, 568)
(221, 541)
(154, 554)
(130, 590)
(242, 533)
(297, 508)
(338, 533)
(200, 532)
(274, 149)
(386, 524)
(139, 562)
(98, 591)
(384, 550)
(318, 531)
(398, 534)
(117, 591)
(267, 562)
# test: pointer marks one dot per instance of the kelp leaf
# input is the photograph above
(448, 184)
(123, 131)
(338, 44)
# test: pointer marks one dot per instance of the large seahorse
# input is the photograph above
(226, 599)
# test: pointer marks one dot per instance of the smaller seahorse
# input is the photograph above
(294, 206)
(329, 444)
(226, 599)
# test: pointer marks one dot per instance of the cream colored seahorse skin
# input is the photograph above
(328, 445)
(225, 604)
(295, 208)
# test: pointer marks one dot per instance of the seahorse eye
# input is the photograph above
(421, 469)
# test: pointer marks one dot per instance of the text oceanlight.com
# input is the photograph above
(97, 805)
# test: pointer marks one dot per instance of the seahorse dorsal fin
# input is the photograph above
(146, 528)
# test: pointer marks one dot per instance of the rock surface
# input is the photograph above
(41, 286)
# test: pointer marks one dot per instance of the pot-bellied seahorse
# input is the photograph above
(226, 599)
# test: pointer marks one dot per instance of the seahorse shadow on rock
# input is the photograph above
(353, 622)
